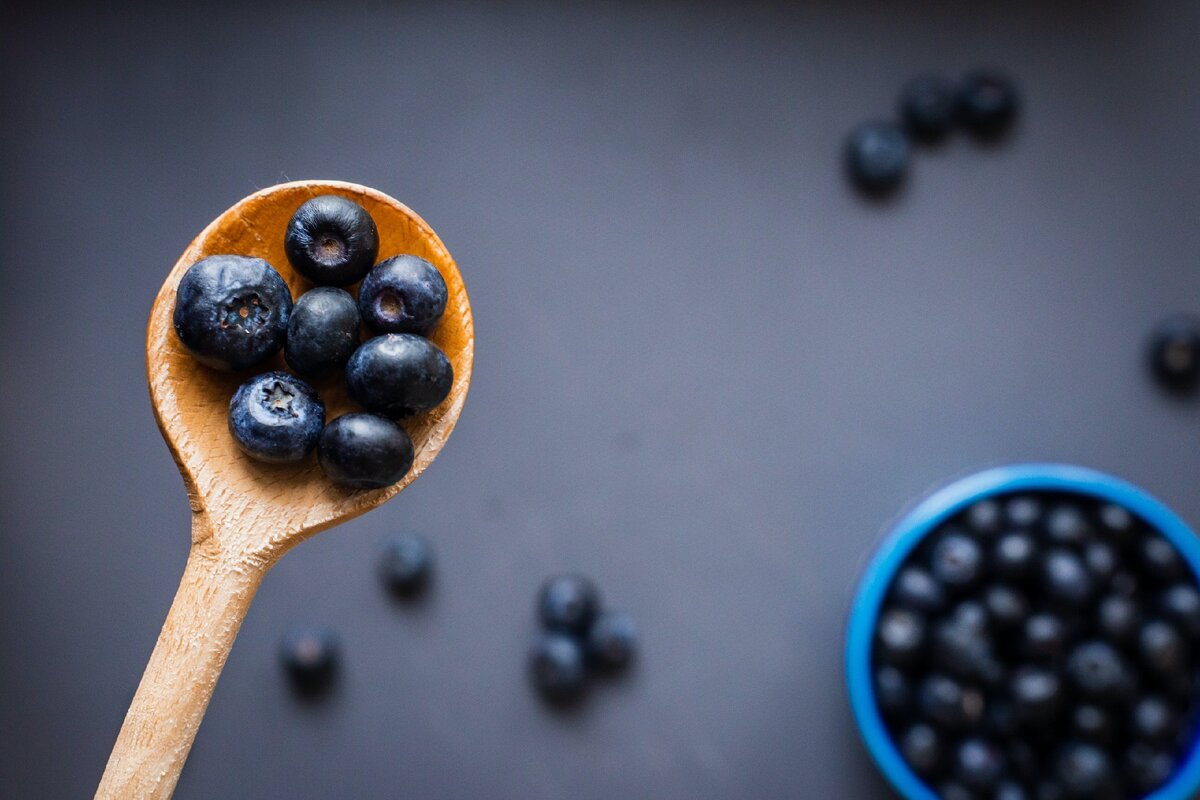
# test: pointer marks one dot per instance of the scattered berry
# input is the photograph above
(612, 640)
(988, 100)
(310, 655)
(556, 663)
(406, 563)
(929, 107)
(1174, 353)
(877, 156)
(568, 603)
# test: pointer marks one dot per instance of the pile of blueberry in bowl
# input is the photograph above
(1031, 633)
(360, 328)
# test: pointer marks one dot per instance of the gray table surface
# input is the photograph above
(707, 373)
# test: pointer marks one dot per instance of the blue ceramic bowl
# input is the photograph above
(925, 517)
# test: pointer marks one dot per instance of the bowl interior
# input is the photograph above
(925, 517)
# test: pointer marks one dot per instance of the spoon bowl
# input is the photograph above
(247, 514)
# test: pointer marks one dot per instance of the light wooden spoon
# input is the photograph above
(246, 514)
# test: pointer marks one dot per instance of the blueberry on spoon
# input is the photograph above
(331, 240)
(276, 417)
(322, 332)
(403, 294)
(364, 451)
(398, 375)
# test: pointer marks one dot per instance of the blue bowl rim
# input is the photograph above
(926, 515)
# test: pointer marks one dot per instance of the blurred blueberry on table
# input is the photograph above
(310, 655)
(929, 107)
(364, 451)
(406, 564)
(568, 603)
(612, 640)
(231, 312)
(322, 332)
(398, 375)
(1174, 353)
(276, 417)
(988, 102)
(402, 294)
(877, 155)
(557, 666)
(331, 240)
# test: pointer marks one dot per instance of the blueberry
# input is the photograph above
(1091, 723)
(1101, 560)
(877, 156)
(1066, 579)
(406, 563)
(1162, 649)
(953, 790)
(988, 100)
(1086, 771)
(399, 374)
(402, 294)
(1010, 790)
(893, 692)
(1045, 637)
(310, 655)
(612, 640)
(231, 312)
(1124, 583)
(914, 588)
(929, 107)
(1037, 695)
(322, 332)
(1174, 353)
(1098, 671)
(331, 241)
(364, 451)
(1022, 760)
(958, 647)
(1181, 605)
(1007, 606)
(1160, 560)
(1146, 767)
(557, 666)
(1066, 524)
(568, 603)
(1118, 619)
(985, 518)
(1014, 556)
(276, 417)
(956, 561)
(949, 705)
(978, 764)
(921, 747)
(1023, 511)
(1153, 720)
(1000, 719)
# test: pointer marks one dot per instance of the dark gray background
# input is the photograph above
(707, 372)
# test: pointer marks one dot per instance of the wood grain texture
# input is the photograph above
(246, 514)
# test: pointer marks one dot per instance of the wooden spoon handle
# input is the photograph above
(162, 720)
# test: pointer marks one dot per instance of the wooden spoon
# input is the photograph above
(246, 514)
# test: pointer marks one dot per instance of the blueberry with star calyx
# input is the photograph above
(402, 294)
(331, 240)
(231, 312)
(276, 417)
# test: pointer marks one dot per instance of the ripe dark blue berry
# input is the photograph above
(1085, 772)
(921, 747)
(276, 417)
(1006, 606)
(988, 100)
(1162, 649)
(978, 764)
(406, 563)
(1066, 524)
(402, 294)
(1147, 767)
(322, 332)
(1011, 790)
(1101, 560)
(1118, 619)
(398, 375)
(231, 312)
(1153, 720)
(877, 156)
(953, 790)
(1174, 353)
(612, 640)
(364, 451)
(915, 589)
(1037, 695)
(556, 664)
(1045, 637)
(1014, 556)
(956, 561)
(929, 106)
(949, 705)
(1023, 511)
(959, 648)
(1065, 578)
(331, 240)
(1117, 522)
(1098, 671)
(568, 603)
(1160, 560)
(1092, 723)
(900, 636)
(310, 655)
(893, 692)
(1181, 605)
